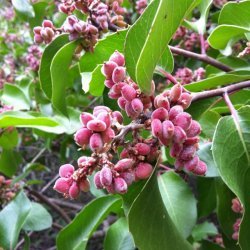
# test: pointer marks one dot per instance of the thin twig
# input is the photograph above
(66, 204)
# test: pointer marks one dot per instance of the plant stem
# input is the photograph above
(231, 107)
(170, 77)
(203, 58)
(202, 41)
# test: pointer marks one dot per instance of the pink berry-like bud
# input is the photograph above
(47, 23)
(62, 185)
(124, 153)
(236, 206)
(124, 164)
(179, 164)
(113, 95)
(130, 111)
(183, 120)
(84, 185)
(85, 161)
(142, 148)
(97, 180)
(109, 83)
(85, 118)
(129, 177)
(143, 170)
(66, 170)
(191, 141)
(167, 129)
(108, 135)
(179, 135)
(129, 93)
(201, 169)
(194, 129)
(105, 117)
(117, 116)
(160, 113)
(111, 189)
(185, 100)
(95, 142)
(120, 185)
(118, 58)
(108, 68)
(74, 191)
(175, 150)
(122, 102)
(98, 109)
(37, 30)
(119, 74)
(156, 127)
(163, 102)
(106, 176)
(82, 136)
(38, 39)
(174, 111)
(96, 125)
(192, 164)
(187, 153)
(175, 92)
(117, 88)
(137, 105)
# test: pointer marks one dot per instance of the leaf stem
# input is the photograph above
(170, 77)
(231, 107)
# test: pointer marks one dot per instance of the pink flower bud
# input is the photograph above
(187, 153)
(183, 120)
(84, 185)
(167, 130)
(111, 189)
(97, 180)
(95, 142)
(108, 68)
(163, 102)
(137, 105)
(194, 129)
(235, 236)
(37, 30)
(179, 135)
(47, 23)
(85, 118)
(129, 177)
(201, 169)
(82, 136)
(129, 93)
(175, 150)
(122, 102)
(105, 117)
(185, 100)
(191, 141)
(192, 164)
(74, 191)
(117, 58)
(96, 125)
(236, 206)
(124, 164)
(120, 185)
(98, 109)
(143, 170)
(117, 88)
(174, 111)
(175, 92)
(77, 27)
(113, 95)
(119, 74)
(85, 161)
(108, 135)
(38, 39)
(160, 113)
(130, 111)
(179, 164)
(106, 176)
(156, 127)
(66, 170)
(142, 148)
(124, 154)
(109, 83)
(62, 185)
(117, 116)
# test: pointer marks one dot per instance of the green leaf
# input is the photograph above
(179, 202)
(149, 221)
(24, 8)
(60, 75)
(219, 80)
(231, 25)
(166, 61)
(200, 25)
(12, 218)
(38, 218)
(47, 57)
(93, 82)
(231, 151)
(14, 96)
(9, 138)
(86, 222)
(202, 231)
(149, 36)
(118, 237)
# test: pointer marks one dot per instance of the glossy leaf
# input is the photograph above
(23, 7)
(118, 237)
(147, 39)
(202, 231)
(166, 61)
(86, 222)
(9, 138)
(231, 147)
(179, 202)
(12, 219)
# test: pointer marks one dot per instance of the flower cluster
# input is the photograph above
(237, 208)
(246, 51)
(5, 108)
(44, 33)
(141, 6)
(33, 57)
(104, 133)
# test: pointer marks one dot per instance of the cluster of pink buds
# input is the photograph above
(175, 128)
(5, 108)
(33, 57)
(237, 208)
(246, 51)
(123, 88)
(186, 75)
(44, 33)
(141, 6)
(8, 13)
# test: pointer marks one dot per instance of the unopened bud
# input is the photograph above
(62, 185)
(82, 136)
(85, 118)
(106, 176)
(74, 191)
(179, 135)
(84, 185)
(174, 111)
(117, 58)
(142, 148)
(143, 170)
(175, 149)
(194, 129)
(119, 74)
(108, 68)
(66, 170)
(192, 164)
(96, 125)
(95, 142)
(156, 127)
(124, 164)
(120, 185)
(97, 180)
(160, 113)
(137, 105)
(129, 93)
(201, 169)
(187, 153)
(108, 135)
(183, 120)
(175, 92)
(185, 100)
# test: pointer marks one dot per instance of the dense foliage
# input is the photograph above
(124, 124)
